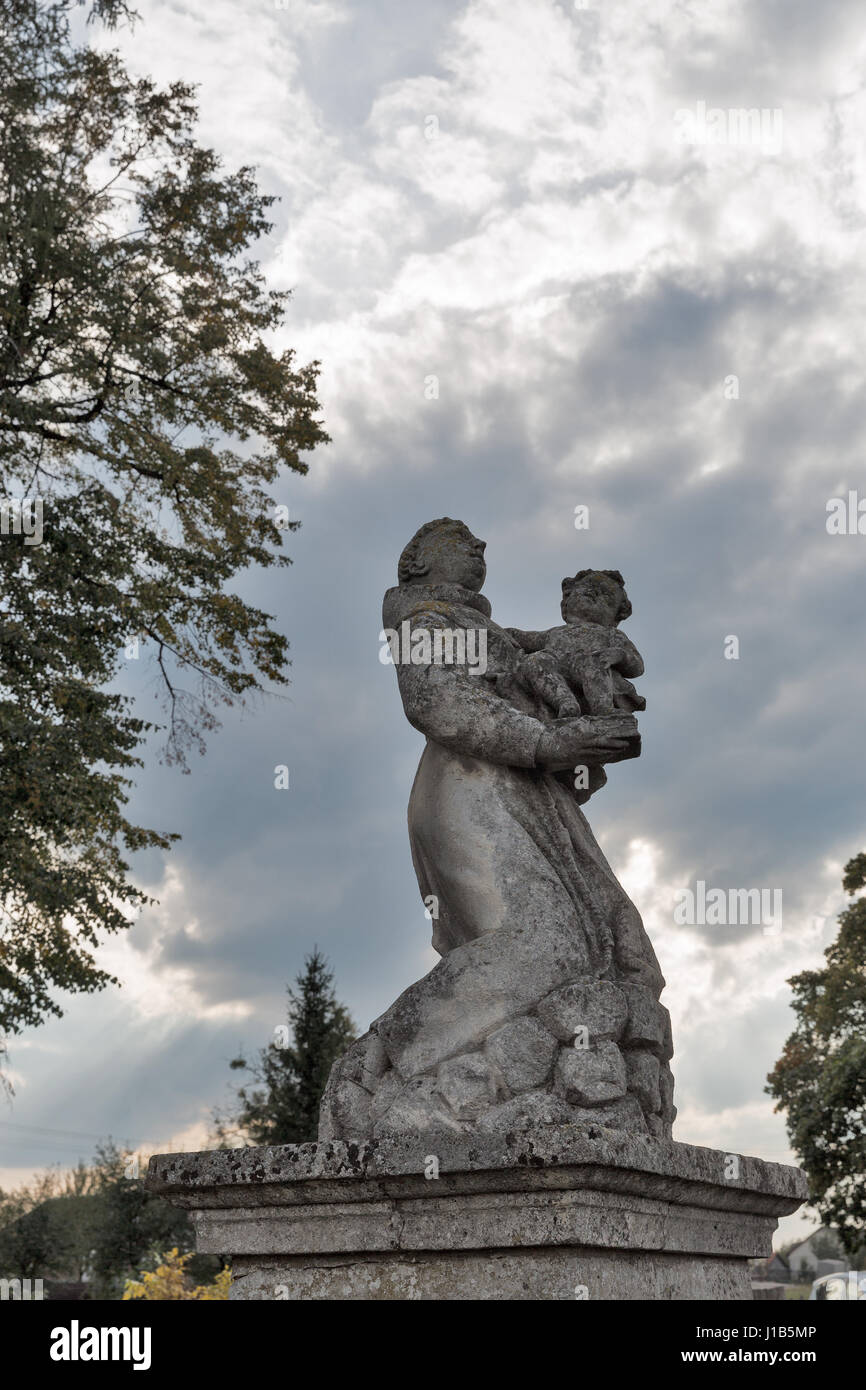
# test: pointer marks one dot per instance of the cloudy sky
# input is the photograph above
(541, 271)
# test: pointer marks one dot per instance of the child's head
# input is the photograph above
(595, 596)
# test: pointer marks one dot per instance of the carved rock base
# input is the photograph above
(460, 1053)
(556, 1213)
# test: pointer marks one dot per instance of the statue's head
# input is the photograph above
(595, 596)
(444, 552)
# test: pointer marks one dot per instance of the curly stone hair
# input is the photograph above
(410, 566)
(625, 609)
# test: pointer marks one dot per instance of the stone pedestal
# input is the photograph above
(552, 1213)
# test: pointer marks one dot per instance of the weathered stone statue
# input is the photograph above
(503, 1130)
(544, 1008)
(587, 658)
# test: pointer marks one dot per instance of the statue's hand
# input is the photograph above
(589, 739)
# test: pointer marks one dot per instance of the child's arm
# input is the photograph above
(528, 641)
(630, 661)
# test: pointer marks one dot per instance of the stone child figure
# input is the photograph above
(583, 667)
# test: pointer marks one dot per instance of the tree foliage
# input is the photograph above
(134, 1224)
(281, 1106)
(35, 1243)
(171, 1280)
(96, 1224)
(820, 1079)
(146, 411)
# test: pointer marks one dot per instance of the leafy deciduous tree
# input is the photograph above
(146, 413)
(820, 1079)
(133, 1223)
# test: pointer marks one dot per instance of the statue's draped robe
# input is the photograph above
(496, 841)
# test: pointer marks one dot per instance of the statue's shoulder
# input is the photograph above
(441, 605)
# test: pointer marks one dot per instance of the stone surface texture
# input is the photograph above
(553, 1212)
